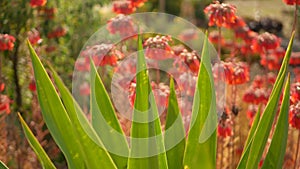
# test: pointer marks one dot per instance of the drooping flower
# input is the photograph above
(220, 14)
(291, 2)
(37, 3)
(256, 95)
(237, 23)
(191, 60)
(6, 42)
(4, 104)
(294, 115)
(295, 58)
(236, 72)
(266, 41)
(123, 7)
(34, 37)
(121, 24)
(57, 32)
(273, 58)
(158, 47)
(103, 54)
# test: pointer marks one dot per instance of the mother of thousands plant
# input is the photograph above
(83, 146)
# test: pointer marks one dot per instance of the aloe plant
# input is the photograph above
(84, 145)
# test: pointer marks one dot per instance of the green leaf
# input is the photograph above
(35, 145)
(201, 142)
(105, 122)
(265, 124)
(147, 145)
(94, 152)
(174, 132)
(55, 115)
(244, 158)
(275, 155)
(2, 165)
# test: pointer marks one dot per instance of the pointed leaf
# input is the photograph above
(244, 158)
(2, 165)
(55, 115)
(265, 124)
(174, 132)
(275, 155)
(35, 145)
(105, 122)
(201, 142)
(147, 146)
(94, 152)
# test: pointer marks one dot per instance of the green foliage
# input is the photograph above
(85, 145)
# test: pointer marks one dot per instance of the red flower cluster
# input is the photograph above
(220, 14)
(191, 59)
(292, 2)
(294, 115)
(237, 23)
(266, 41)
(121, 24)
(6, 42)
(273, 59)
(123, 7)
(295, 93)
(58, 32)
(251, 112)
(236, 72)
(103, 54)
(34, 37)
(256, 95)
(295, 58)
(158, 47)
(37, 3)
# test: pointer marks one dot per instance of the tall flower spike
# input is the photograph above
(220, 14)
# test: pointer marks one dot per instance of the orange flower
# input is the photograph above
(221, 14)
